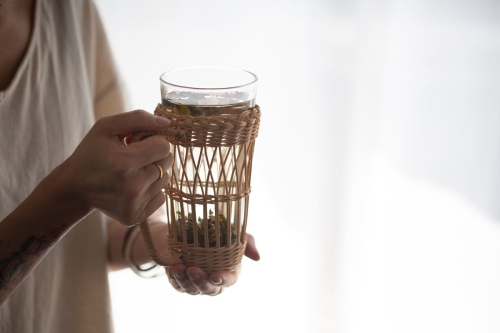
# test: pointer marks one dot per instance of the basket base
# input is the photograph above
(209, 259)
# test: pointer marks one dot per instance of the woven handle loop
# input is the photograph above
(170, 259)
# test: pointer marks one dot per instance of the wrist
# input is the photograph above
(139, 252)
(135, 253)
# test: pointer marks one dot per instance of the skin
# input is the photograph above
(16, 20)
(194, 281)
(101, 174)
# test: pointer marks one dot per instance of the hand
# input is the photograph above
(121, 181)
(194, 281)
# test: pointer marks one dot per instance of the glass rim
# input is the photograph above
(255, 78)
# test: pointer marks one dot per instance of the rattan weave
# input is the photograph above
(208, 194)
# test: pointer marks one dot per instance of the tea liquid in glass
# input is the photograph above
(184, 103)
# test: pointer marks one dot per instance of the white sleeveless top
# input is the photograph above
(66, 80)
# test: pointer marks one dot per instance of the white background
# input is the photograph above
(376, 183)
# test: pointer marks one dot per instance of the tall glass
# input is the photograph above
(213, 109)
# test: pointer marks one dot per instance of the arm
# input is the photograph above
(31, 230)
(101, 174)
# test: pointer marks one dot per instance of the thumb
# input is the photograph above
(133, 122)
(251, 249)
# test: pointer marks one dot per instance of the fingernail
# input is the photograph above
(216, 281)
(162, 121)
(194, 276)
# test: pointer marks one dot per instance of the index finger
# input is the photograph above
(132, 122)
(149, 150)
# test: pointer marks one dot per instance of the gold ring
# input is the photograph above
(161, 170)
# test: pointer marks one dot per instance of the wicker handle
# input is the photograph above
(171, 259)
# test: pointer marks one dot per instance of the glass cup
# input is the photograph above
(209, 188)
(208, 91)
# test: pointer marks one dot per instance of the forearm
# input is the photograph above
(120, 181)
(140, 254)
(29, 232)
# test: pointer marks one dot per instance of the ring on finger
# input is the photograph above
(160, 169)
